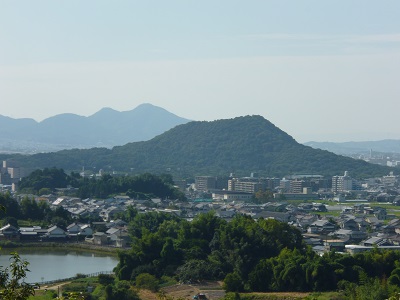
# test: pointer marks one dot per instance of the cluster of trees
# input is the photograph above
(206, 248)
(42, 181)
(145, 185)
(29, 209)
(112, 289)
(249, 255)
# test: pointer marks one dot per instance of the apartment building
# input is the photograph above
(342, 183)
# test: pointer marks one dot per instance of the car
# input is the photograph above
(36, 286)
(200, 296)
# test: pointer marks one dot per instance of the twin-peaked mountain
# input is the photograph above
(240, 145)
(106, 128)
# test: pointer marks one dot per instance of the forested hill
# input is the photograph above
(241, 145)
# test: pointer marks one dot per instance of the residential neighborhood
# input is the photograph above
(332, 213)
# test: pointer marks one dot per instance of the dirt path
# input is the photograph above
(55, 287)
(212, 290)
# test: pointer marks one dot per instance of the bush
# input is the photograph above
(105, 279)
(147, 281)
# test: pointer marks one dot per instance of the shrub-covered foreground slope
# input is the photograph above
(250, 255)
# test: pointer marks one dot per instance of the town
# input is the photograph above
(338, 213)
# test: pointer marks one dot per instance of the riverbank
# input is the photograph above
(63, 245)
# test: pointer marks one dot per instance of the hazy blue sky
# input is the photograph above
(319, 70)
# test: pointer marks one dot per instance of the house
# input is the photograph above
(338, 245)
(9, 232)
(114, 230)
(156, 201)
(86, 230)
(349, 224)
(225, 214)
(59, 201)
(358, 208)
(321, 226)
(274, 206)
(109, 213)
(305, 220)
(347, 234)
(319, 207)
(176, 212)
(312, 239)
(376, 241)
(78, 212)
(119, 223)
(29, 233)
(389, 229)
(380, 213)
(280, 216)
(394, 239)
(73, 229)
(362, 224)
(100, 238)
(56, 232)
(119, 239)
(374, 222)
(79, 230)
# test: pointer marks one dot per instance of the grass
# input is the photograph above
(292, 296)
(327, 213)
(167, 281)
(325, 296)
(80, 285)
(77, 285)
(37, 246)
(43, 295)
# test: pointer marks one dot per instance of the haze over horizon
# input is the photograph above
(319, 71)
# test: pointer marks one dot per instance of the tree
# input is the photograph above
(12, 284)
(9, 204)
(233, 283)
(10, 220)
(263, 196)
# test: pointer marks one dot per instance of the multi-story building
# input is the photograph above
(390, 180)
(296, 186)
(284, 185)
(205, 183)
(231, 196)
(342, 183)
(181, 184)
(252, 184)
(10, 173)
(16, 172)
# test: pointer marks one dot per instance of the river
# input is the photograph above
(53, 264)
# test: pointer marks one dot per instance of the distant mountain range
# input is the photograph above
(349, 148)
(240, 145)
(106, 128)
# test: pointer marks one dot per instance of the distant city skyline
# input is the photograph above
(320, 71)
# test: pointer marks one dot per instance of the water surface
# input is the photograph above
(52, 264)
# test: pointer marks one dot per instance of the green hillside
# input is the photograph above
(241, 145)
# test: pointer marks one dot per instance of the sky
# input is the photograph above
(318, 70)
